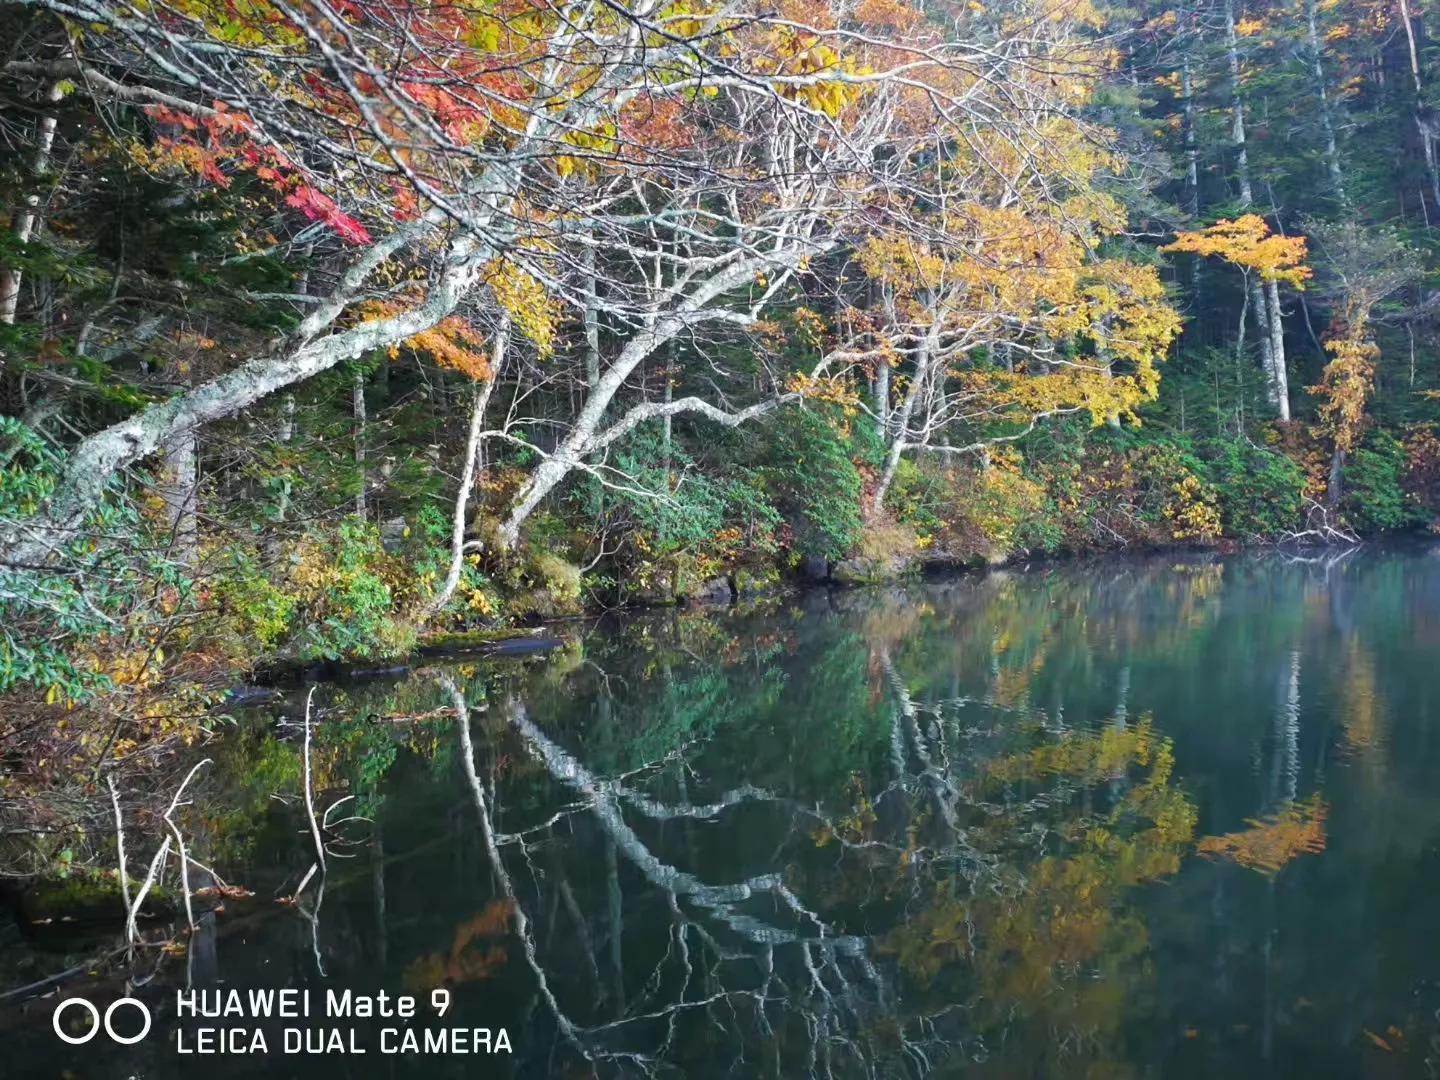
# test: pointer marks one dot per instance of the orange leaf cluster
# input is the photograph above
(1272, 842)
(451, 343)
(475, 953)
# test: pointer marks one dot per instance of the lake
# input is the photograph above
(1158, 817)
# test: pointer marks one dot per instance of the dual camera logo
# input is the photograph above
(96, 1022)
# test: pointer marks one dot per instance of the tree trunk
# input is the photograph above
(1427, 139)
(1192, 151)
(473, 445)
(1237, 109)
(357, 399)
(1247, 193)
(1327, 122)
(179, 481)
(180, 491)
(282, 509)
(1280, 378)
(26, 219)
(882, 394)
(574, 448)
(924, 353)
(97, 458)
(667, 430)
(591, 320)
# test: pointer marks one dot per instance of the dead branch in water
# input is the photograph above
(180, 842)
(1319, 530)
(153, 872)
(310, 805)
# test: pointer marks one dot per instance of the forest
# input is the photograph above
(731, 537)
(333, 329)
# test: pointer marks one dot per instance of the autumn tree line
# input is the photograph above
(328, 325)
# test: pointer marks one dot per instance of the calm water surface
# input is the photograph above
(1149, 818)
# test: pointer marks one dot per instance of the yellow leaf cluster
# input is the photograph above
(525, 300)
(796, 54)
(1247, 243)
(1346, 381)
(834, 391)
(1192, 511)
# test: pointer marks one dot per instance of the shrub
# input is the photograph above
(1012, 509)
(347, 591)
(681, 523)
(67, 635)
(919, 499)
(428, 548)
(255, 611)
(1261, 492)
(810, 477)
(1422, 473)
(1375, 498)
(1173, 492)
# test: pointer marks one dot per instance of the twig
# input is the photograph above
(130, 929)
(50, 980)
(310, 805)
(120, 845)
(180, 842)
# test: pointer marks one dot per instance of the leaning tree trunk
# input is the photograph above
(99, 457)
(584, 437)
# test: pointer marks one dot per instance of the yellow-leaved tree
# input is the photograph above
(1247, 243)
(1363, 266)
(1009, 315)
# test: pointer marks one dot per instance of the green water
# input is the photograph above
(1158, 818)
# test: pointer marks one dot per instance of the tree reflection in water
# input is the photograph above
(970, 904)
(936, 830)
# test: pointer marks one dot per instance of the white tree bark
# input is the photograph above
(1427, 138)
(180, 492)
(1327, 120)
(882, 394)
(1268, 359)
(29, 215)
(473, 444)
(585, 438)
(591, 319)
(1280, 379)
(357, 405)
(98, 458)
(900, 423)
